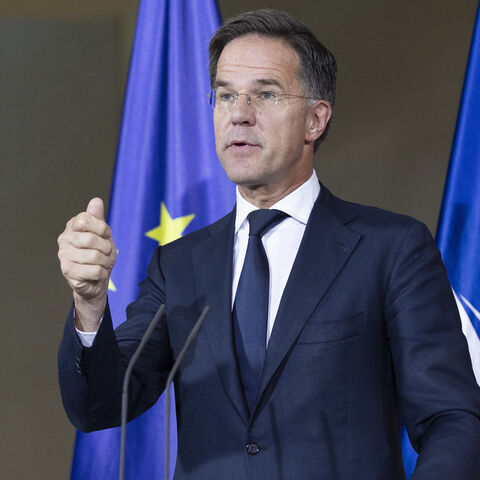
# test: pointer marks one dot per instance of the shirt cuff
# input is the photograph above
(86, 338)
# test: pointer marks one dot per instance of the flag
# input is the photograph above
(167, 182)
(458, 235)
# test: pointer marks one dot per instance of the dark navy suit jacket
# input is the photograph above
(367, 333)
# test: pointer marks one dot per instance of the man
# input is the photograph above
(328, 323)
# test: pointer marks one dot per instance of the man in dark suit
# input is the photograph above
(329, 320)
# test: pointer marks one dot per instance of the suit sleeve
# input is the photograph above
(91, 378)
(439, 395)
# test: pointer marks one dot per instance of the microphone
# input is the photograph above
(126, 381)
(173, 371)
(168, 384)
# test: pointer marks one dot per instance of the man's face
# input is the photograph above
(264, 148)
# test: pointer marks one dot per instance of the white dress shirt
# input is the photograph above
(281, 245)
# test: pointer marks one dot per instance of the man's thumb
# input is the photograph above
(95, 208)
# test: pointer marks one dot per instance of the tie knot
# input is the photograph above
(263, 220)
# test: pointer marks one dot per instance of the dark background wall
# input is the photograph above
(63, 69)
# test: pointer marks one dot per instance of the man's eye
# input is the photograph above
(267, 96)
(225, 96)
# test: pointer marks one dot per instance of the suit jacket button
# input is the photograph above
(252, 448)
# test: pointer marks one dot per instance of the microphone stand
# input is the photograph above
(126, 381)
(173, 371)
(168, 384)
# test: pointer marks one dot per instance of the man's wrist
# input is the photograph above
(88, 313)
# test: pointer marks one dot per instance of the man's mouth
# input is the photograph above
(242, 146)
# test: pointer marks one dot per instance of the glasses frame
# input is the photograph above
(278, 96)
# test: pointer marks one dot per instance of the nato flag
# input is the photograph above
(458, 235)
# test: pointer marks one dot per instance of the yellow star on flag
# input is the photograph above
(111, 285)
(170, 228)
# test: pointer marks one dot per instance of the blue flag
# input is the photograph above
(168, 181)
(458, 235)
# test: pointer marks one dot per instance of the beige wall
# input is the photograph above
(401, 67)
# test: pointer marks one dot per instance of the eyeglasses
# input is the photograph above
(225, 100)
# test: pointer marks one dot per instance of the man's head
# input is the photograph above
(268, 115)
(318, 69)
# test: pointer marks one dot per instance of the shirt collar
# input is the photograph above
(297, 204)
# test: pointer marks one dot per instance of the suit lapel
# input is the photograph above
(212, 265)
(326, 246)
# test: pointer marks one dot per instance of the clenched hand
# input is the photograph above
(87, 255)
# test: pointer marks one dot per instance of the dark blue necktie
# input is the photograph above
(250, 311)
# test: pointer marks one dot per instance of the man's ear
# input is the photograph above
(317, 120)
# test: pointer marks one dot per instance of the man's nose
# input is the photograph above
(243, 110)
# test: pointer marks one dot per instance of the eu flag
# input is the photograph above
(458, 235)
(168, 181)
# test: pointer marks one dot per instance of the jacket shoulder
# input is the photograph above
(368, 217)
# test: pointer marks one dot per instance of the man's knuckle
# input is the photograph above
(97, 257)
(86, 240)
(66, 268)
(80, 222)
(96, 272)
(109, 249)
(104, 230)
